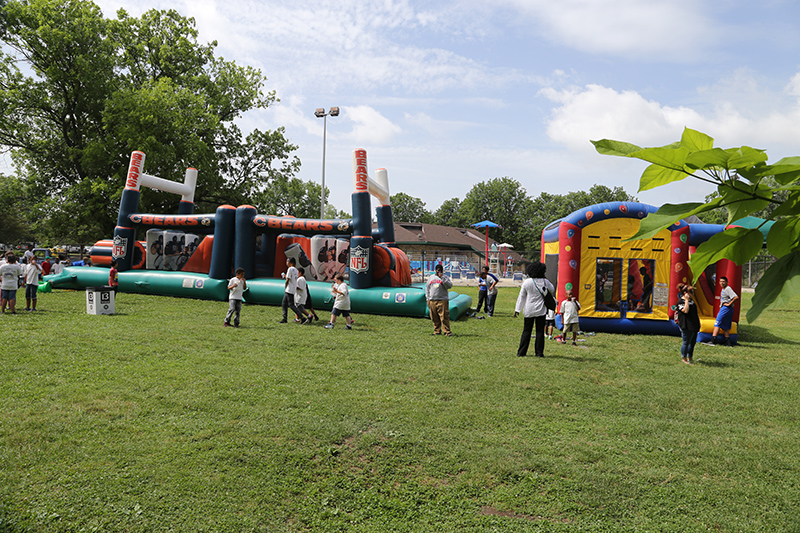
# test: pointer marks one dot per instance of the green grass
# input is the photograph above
(159, 419)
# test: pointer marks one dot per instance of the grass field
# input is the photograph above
(159, 419)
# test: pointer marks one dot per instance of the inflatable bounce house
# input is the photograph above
(631, 286)
(194, 256)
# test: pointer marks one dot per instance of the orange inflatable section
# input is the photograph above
(283, 242)
(200, 261)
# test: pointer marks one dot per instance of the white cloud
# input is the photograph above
(370, 126)
(673, 29)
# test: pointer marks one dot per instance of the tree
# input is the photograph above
(504, 202)
(450, 214)
(407, 208)
(95, 89)
(16, 220)
(742, 178)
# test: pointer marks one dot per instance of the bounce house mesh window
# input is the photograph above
(608, 289)
(640, 285)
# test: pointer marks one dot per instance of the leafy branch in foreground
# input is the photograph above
(745, 184)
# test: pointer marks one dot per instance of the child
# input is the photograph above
(290, 288)
(569, 317)
(300, 298)
(113, 276)
(31, 272)
(10, 273)
(237, 285)
(550, 323)
(341, 304)
(483, 288)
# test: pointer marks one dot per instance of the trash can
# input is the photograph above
(100, 300)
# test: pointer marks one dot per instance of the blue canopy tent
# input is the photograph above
(487, 224)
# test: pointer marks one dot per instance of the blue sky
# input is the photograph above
(446, 94)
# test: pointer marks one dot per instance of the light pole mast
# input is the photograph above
(320, 112)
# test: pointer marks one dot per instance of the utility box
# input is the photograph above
(99, 300)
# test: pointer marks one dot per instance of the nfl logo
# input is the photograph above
(359, 259)
(118, 251)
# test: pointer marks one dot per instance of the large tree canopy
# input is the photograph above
(79, 93)
(746, 185)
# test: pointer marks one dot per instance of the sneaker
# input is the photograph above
(574, 343)
(448, 334)
(685, 361)
(298, 321)
(316, 318)
(328, 326)
(226, 324)
(305, 322)
(281, 321)
(348, 326)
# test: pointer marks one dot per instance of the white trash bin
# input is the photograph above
(100, 300)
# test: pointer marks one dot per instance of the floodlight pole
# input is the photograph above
(320, 112)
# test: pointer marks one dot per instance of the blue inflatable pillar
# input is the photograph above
(245, 248)
(361, 241)
(222, 253)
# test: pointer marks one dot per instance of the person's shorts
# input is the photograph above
(724, 318)
(549, 323)
(30, 291)
(9, 294)
(342, 312)
(571, 328)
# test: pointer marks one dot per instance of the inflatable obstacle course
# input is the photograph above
(193, 255)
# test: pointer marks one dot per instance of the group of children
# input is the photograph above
(14, 276)
(296, 297)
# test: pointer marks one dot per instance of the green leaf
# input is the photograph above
(618, 148)
(742, 198)
(656, 176)
(784, 171)
(779, 283)
(696, 141)
(746, 157)
(714, 158)
(783, 236)
(737, 244)
(669, 214)
(791, 206)
(673, 158)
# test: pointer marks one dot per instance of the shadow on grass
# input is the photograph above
(713, 364)
(573, 358)
(756, 334)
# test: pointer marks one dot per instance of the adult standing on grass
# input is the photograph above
(437, 292)
(10, 273)
(725, 315)
(688, 320)
(530, 303)
(290, 288)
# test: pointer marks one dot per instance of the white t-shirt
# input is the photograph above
(569, 312)
(291, 280)
(57, 268)
(236, 289)
(11, 273)
(342, 300)
(726, 295)
(32, 273)
(300, 293)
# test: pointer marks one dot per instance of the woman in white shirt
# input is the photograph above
(531, 304)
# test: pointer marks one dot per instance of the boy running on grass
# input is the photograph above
(341, 304)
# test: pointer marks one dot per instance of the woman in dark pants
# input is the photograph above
(531, 304)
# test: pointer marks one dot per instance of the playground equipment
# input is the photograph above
(194, 255)
(631, 286)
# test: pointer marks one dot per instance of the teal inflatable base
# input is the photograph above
(393, 301)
